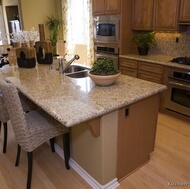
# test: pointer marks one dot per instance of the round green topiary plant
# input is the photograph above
(104, 66)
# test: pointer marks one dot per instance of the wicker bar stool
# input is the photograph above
(33, 128)
(4, 116)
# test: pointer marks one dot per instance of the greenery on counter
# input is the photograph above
(145, 40)
(104, 66)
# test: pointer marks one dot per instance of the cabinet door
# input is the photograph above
(142, 14)
(185, 11)
(136, 134)
(98, 7)
(166, 15)
(112, 6)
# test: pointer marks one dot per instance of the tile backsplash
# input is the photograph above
(166, 44)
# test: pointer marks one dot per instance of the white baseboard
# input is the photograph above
(89, 179)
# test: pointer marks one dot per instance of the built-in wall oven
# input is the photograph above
(178, 92)
(106, 28)
(107, 51)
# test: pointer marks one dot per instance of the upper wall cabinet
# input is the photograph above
(184, 11)
(100, 7)
(158, 15)
(166, 15)
(142, 14)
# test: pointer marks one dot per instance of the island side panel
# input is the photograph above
(136, 134)
(96, 155)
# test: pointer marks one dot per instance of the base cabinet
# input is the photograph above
(142, 70)
(136, 135)
(128, 67)
(150, 72)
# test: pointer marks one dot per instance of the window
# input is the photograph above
(77, 18)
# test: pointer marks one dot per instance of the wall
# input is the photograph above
(166, 44)
(35, 12)
(4, 4)
(96, 155)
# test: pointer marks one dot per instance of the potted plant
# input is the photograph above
(144, 41)
(54, 25)
(104, 72)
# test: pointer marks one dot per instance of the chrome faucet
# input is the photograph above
(61, 63)
(76, 57)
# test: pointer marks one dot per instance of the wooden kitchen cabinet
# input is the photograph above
(143, 70)
(142, 14)
(100, 7)
(166, 15)
(184, 11)
(128, 67)
(150, 72)
(158, 15)
(136, 135)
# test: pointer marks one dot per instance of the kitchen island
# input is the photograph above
(112, 128)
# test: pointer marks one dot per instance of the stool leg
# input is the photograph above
(66, 146)
(18, 155)
(5, 138)
(52, 142)
(0, 126)
(30, 162)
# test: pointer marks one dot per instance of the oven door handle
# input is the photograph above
(179, 84)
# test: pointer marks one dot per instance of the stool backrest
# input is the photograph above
(15, 111)
(4, 116)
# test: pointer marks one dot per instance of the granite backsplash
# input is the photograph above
(166, 44)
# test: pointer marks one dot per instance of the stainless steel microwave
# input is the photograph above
(106, 29)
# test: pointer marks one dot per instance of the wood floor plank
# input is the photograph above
(169, 163)
(170, 160)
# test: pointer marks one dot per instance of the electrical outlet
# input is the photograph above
(177, 39)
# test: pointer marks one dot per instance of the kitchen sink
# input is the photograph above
(79, 74)
(76, 71)
(75, 68)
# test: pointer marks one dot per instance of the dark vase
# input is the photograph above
(143, 50)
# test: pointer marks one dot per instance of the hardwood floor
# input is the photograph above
(169, 164)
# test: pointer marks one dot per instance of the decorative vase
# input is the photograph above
(143, 50)
(26, 56)
(43, 48)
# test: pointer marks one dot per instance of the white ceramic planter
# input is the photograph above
(103, 80)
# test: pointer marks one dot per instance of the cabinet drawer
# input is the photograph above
(128, 71)
(151, 67)
(150, 76)
(128, 63)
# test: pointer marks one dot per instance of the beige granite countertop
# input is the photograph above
(72, 101)
(156, 59)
